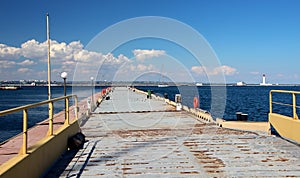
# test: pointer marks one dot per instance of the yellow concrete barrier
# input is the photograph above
(41, 155)
(263, 127)
(287, 127)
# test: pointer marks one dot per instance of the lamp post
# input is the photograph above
(64, 75)
(92, 98)
(49, 63)
(50, 131)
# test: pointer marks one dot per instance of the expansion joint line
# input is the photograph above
(124, 112)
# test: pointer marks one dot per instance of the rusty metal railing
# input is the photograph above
(293, 105)
(50, 102)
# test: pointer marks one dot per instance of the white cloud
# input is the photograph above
(142, 54)
(24, 70)
(69, 63)
(111, 59)
(199, 70)
(254, 73)
(86, 56)
(8, 52)
(34, 50)
(202, 70)
(227, 70)
(70, 56)
(60, 53)
(122, 58)
(6, 64)
(27, 62)
(64, 56)
(142, 67)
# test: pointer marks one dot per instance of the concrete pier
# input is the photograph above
(132, 136)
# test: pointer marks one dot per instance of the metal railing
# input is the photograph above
(294, 105)
(50, 102)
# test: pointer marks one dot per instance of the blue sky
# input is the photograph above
(250, 37)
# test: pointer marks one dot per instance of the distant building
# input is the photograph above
(240, 83)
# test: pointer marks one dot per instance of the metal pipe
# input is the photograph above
(65, 93)
(76, 108)
(294, 107)
(49, 67)
(92, 98)
(67, 111)
(270, 97)
(8, 111)
(285, 91)
(25, 136)
(50, 132)
(49, 80)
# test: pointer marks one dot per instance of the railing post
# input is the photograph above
(67, 121)
(25, 138)
(270, 95)
(76, 108)
(50, 131)
(295, 116)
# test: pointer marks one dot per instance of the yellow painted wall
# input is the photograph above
(247, 126)
(41, 155)
(287, 127)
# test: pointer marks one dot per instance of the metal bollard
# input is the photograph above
(178, 102)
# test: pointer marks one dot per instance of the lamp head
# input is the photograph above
(64, 75)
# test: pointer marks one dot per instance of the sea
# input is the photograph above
(221, 101)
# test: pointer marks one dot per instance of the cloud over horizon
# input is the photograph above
(29, 61)
(31, 57)
(202, 70)
(142, 54)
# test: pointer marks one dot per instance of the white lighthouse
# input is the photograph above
(264, 81)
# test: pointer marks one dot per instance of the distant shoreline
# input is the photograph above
(143, 83)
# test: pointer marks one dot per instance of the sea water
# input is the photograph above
(224, 101)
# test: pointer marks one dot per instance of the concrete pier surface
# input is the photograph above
(129, 135)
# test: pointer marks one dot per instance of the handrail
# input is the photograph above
(295, 116)
(50, 102)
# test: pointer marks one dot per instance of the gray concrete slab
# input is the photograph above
(132, 136)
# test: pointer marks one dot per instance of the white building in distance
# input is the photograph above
(264, 83)
(241, 84)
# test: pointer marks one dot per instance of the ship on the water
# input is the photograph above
(162, 85)
(199, 84)
(10, 88)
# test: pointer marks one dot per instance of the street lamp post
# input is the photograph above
(50, 131)
(64, 75)
(92, 98)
